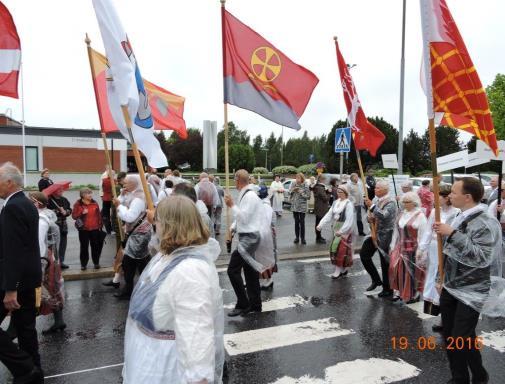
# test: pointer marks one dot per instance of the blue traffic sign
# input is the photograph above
(343, 140)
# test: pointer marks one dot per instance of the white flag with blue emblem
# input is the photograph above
(125, 85)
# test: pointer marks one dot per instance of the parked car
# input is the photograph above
(487, 187)
(287, 199)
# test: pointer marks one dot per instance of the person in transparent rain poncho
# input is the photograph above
(471, 286)
(495, 209)
(174, 330)
(427, 253)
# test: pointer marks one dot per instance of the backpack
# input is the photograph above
(206, 192)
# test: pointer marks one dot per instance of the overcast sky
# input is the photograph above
(178, 46)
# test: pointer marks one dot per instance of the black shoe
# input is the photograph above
(122, 295)
(111, 284)
(238, 311)
(304, 242)
(320, 241)
(394, 299)
(54, 329)
(484, 381)
(340, 275)
(64, 266)
(36, 376)
(296, 241)
(344, 273)
(268, 287)
(385, 293)
(437, 328)
(414, 300)
(373, 286)
(83, 268)
(361, 234)
(96, 266)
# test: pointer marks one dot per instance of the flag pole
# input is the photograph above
(433, 150)
(431, 129)
(87, 40)
(402, 93)
(226, 131)
(136, 155)
(112, 181)
(23, 121)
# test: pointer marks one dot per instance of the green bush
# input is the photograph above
(308, 169)
(284, 170)
(260, 170)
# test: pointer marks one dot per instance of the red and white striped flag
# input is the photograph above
(10, 54)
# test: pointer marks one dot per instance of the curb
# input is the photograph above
(104, 273)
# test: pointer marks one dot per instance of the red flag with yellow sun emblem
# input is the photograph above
(259, 77)
(455, 94)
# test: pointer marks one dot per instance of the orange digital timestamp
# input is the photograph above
(424, 343)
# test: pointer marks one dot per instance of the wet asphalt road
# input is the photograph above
(95, 319)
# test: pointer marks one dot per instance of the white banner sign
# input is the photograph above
(475, 159)
(454, 160)
(485, 152)
(390, 161)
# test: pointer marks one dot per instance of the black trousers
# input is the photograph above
(359, 223)
(368, 249)
(130, 268)
(299, 224)
(106, 208)
(20, 361)
(459, 321)
(87, 239)
(63, 246)
(253, 296)
(318, 233)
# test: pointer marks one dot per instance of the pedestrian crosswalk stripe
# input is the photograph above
(283, 335)
(495, 340)
(419, 309)
(314, 260)
(279, 303)
(370, 371)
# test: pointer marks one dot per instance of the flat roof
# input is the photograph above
(59, 132)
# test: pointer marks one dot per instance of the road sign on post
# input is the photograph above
(343, 140)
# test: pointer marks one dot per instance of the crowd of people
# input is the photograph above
(174, 328)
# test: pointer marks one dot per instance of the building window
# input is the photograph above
(32, 158)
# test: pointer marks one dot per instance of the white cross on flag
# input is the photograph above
(10, 54)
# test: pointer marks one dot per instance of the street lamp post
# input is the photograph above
(266, 157)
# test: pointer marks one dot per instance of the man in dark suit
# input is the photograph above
(20, 275)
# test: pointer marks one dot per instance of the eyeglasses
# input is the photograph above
(407, 201)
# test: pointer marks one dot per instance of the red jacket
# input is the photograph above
(93, 219)
(107, 190)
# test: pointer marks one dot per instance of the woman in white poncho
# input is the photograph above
(428, 252)
(174, 330)
(342, 215)
(277, 193)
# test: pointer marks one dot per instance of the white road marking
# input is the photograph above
(314, 260)
(351, 274)
(221, 269)
(283, 335)
(495, 340)
(84, 371)
(279, 303)
(419, 309)
(370, 371)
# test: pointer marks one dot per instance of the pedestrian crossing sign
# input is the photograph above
(343, 140)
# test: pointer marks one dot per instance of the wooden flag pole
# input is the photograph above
(433, 150)
(226, 130)
(136, 154)
(112, 182)
(87, 40)
(373, 228)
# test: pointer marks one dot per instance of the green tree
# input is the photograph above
(496, 96)
(415, 157)
(240, 156)
(179, 151)
(448, 141)
(235, 136)
(257, 146)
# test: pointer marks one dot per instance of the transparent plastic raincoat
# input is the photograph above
(473, 262)
(174, 330)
